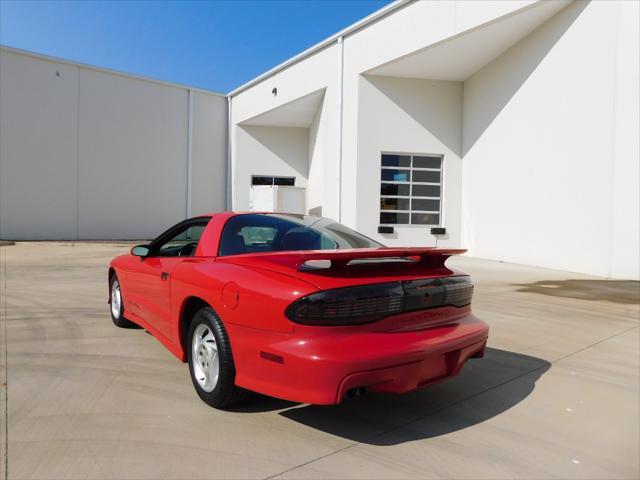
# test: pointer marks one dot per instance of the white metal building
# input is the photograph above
(506, 127)
(87, 153)
(513, 125)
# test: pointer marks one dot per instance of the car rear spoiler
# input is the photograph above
(308, 260)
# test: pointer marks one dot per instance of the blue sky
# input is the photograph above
(216, 45)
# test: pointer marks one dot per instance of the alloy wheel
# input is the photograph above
(204, 357)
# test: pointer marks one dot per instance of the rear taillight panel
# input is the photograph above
(350, 305)
(370, 303)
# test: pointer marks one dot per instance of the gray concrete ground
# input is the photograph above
(555, 397)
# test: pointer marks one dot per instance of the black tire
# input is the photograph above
(225, 393)
(119, 320)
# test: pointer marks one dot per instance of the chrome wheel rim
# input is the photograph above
(116, 299)
(204, 357)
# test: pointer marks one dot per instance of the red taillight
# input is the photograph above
(369, 303)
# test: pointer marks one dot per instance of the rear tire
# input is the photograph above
(116, 305)
(211, 365)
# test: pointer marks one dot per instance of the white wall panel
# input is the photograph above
(538, 156)
(133, 150)
(38, 148)
(625, 233)
(209, 159)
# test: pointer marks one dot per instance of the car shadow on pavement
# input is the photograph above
(616, 291)
(484, 389)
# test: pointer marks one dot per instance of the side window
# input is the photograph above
(254, 233)
(183, 244)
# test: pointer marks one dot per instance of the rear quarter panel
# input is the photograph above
(240, 295)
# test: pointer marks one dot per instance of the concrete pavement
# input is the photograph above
(557, 395)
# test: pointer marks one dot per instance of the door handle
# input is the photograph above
(164, 276)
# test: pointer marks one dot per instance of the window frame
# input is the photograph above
(410, 197)
(164, 237)
(273, 180)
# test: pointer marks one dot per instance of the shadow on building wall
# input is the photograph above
(504, 76)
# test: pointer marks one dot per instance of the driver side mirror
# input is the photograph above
(140, 251)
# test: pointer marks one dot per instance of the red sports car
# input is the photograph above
(296, 307)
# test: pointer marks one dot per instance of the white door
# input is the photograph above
(291, 200)
(263, 198)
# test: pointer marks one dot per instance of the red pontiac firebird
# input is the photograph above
(296, 307)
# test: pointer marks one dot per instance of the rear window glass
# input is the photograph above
(253, 233)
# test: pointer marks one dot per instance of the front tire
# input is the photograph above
(211, 365)
(116, 306)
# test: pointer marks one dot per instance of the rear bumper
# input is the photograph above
(411, 376)
(319, 365)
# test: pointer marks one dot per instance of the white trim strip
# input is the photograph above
(230, 130)
(189, 151)
(339, 126)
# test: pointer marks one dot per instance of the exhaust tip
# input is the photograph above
(355, 392)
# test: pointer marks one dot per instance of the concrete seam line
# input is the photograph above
(594, 344)
(477, 394)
